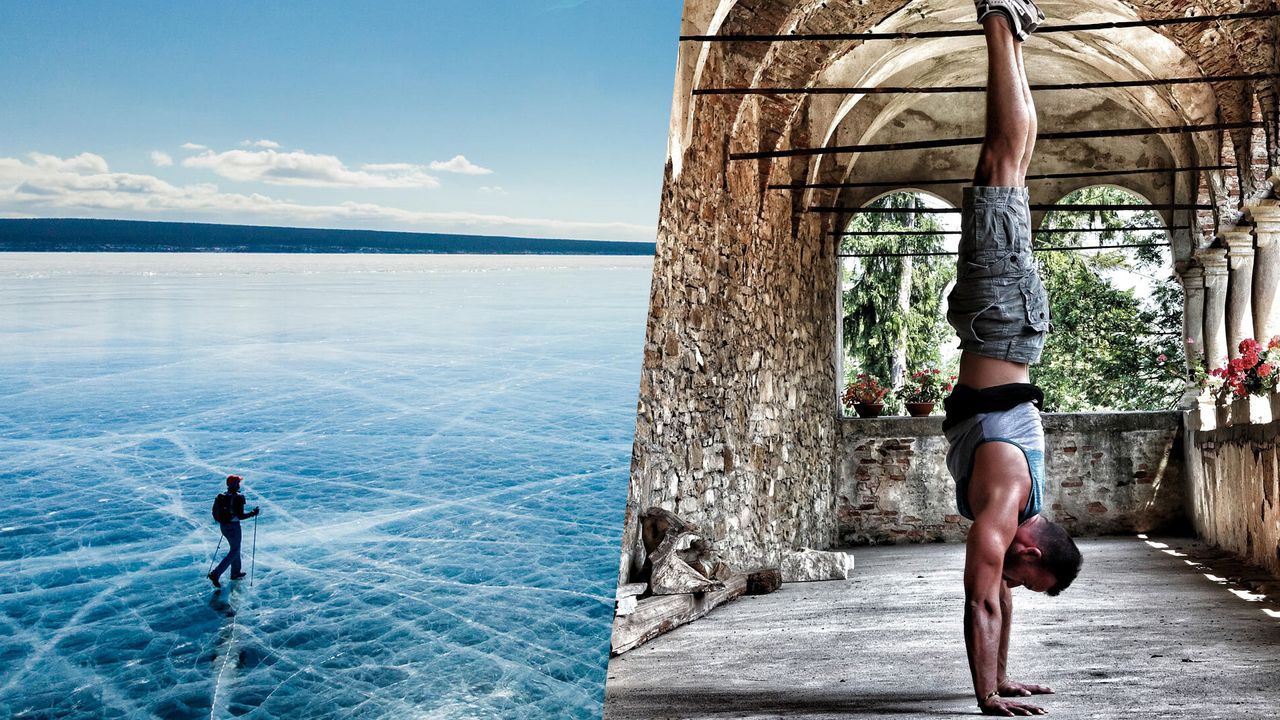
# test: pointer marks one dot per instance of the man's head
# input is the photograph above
(1042, 557)
(233, 482)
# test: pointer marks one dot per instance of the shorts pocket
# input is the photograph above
(975, 312)
(984, 238)
(1036, 300)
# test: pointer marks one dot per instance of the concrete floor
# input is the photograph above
(1142, 634)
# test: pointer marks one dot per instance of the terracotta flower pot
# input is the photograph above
(868, 410)
(919, 409)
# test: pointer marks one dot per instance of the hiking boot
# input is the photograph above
(214, 579)
(1023, 16)
(239, 576)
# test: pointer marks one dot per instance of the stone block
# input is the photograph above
(764, 581)
(626, 606)
(630, 590)
(807, 565)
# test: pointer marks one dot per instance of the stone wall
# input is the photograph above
(736, 420)
(1234, 492)
(1108, 473)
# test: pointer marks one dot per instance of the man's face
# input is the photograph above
(1028, 575)
(233, 486)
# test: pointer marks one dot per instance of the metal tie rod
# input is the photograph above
(958, 142)
(1046, 231)
(925, 34)
(964, 181)
(1045, 207)
(1050, 248)
(930, 90)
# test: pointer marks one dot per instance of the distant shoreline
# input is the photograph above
(155, 266)
(117, 236)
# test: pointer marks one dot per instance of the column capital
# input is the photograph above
(1237, 241)
(1265, 217)
(1213, 260)
(1239, 247)
(1191, 275)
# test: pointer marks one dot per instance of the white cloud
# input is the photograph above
(82, 163)
(304, 169)
(269, 144)
(193, 146)
(161, 159)
(495, 189)
(48, 186)
(461, 165)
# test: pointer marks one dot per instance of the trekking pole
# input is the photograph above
(215, 555)
(253, 560)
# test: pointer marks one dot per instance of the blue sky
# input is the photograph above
(351, 115)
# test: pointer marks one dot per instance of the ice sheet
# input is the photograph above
(440, 454)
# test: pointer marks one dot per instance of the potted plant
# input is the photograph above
(866, 396)
(924, 389)
(1254, 372)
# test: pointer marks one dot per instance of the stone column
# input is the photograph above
(1214, 261)
(1240, 288)
(1266, 271)
(1192, 277)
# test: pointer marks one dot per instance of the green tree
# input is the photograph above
(1106, 344)
(893, 304)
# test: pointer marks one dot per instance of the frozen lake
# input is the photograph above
(439, 445)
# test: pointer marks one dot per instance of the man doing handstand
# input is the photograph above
(1000, 311)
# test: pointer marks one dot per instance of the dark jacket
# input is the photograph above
(237, 507)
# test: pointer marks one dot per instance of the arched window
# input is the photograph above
(1116, 336)
(895, 264)
(1116, 308)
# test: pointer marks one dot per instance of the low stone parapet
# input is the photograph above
(1107, 473)
(1234, 502)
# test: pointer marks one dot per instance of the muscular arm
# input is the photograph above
(996, 492)
(1006, 620)
(984, 623)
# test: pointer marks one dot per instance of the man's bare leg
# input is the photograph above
(1000, 163)
(1032, 124)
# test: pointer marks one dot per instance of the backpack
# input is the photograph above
(222, 508)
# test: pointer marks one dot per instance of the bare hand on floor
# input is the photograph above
(1008, 708)
(1009, 688)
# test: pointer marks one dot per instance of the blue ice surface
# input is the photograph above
(440, 454)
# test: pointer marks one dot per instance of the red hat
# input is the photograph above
(233, 479)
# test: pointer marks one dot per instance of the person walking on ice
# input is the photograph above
(999, 309)
(228, 510)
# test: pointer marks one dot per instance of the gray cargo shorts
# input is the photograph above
(998, 305)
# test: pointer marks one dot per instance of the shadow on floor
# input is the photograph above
(801, 702)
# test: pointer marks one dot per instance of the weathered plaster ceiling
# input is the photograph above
(1131, 54)
(763, 123)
